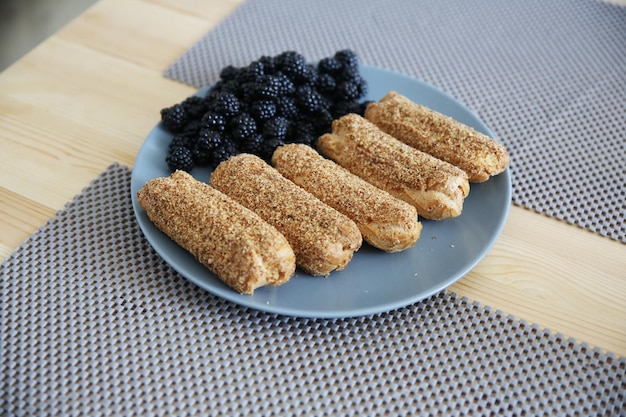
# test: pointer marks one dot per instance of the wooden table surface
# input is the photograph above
(89, 95)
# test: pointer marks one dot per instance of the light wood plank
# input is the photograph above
(556, 275)
(71, 123)
(112, 27)
(19, 218)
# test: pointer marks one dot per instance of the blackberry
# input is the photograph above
(225, 151)
(294, 66)
(226, 104)
(242, 126)
(179, 158)
(255, 108)
(268, 148)
(269, 87)
(253, 144)
(347, 74)
(181, 140)
(214, 121)
(210, 138)
(308, 75)
(329, 66)
(263, 109)
(276, 128)
(192, 127)
(174, 118)
(326, 84)
(246, 75)
(307, 99)
(194, 107)
(212, 94)
(204, 146)
(348, 90)
(269, 64)
(362, 85)
(302, 132)
(289, 58)
(322, 122)
(348, 59)
(229, 73)
(363, 106)
(247, 92)
(285, 85)
(342, 108)
(257, 70)
(326, 103)
(229, 86)
(308, 140)
(286, 107)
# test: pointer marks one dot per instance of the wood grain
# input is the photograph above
(89, 95)
(556, 275)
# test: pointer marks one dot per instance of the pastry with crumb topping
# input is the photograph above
(441, 136)
(243, 251)
(385, 222)
(322, 238)
(434, 187)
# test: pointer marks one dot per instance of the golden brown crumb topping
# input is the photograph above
(232, 241)
(322, 238)
(439, 135)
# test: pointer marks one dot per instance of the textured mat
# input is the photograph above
(548, 77)
(94, 323)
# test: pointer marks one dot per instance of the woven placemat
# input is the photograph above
(94, 323)
(547, 76)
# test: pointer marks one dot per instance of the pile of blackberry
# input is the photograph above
(254, 109)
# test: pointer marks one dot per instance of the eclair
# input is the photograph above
(441, 136)
(434, 187)
(243, 250)
(385, 222)
(322, 238)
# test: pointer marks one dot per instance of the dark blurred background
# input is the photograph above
(26, 23)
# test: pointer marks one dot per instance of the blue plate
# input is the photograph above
(374, 281)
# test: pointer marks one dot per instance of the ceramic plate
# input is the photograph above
(374, 281)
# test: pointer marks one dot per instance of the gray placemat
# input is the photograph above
(94, 323)
(548, 77)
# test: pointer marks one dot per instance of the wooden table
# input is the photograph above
(89, 95)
